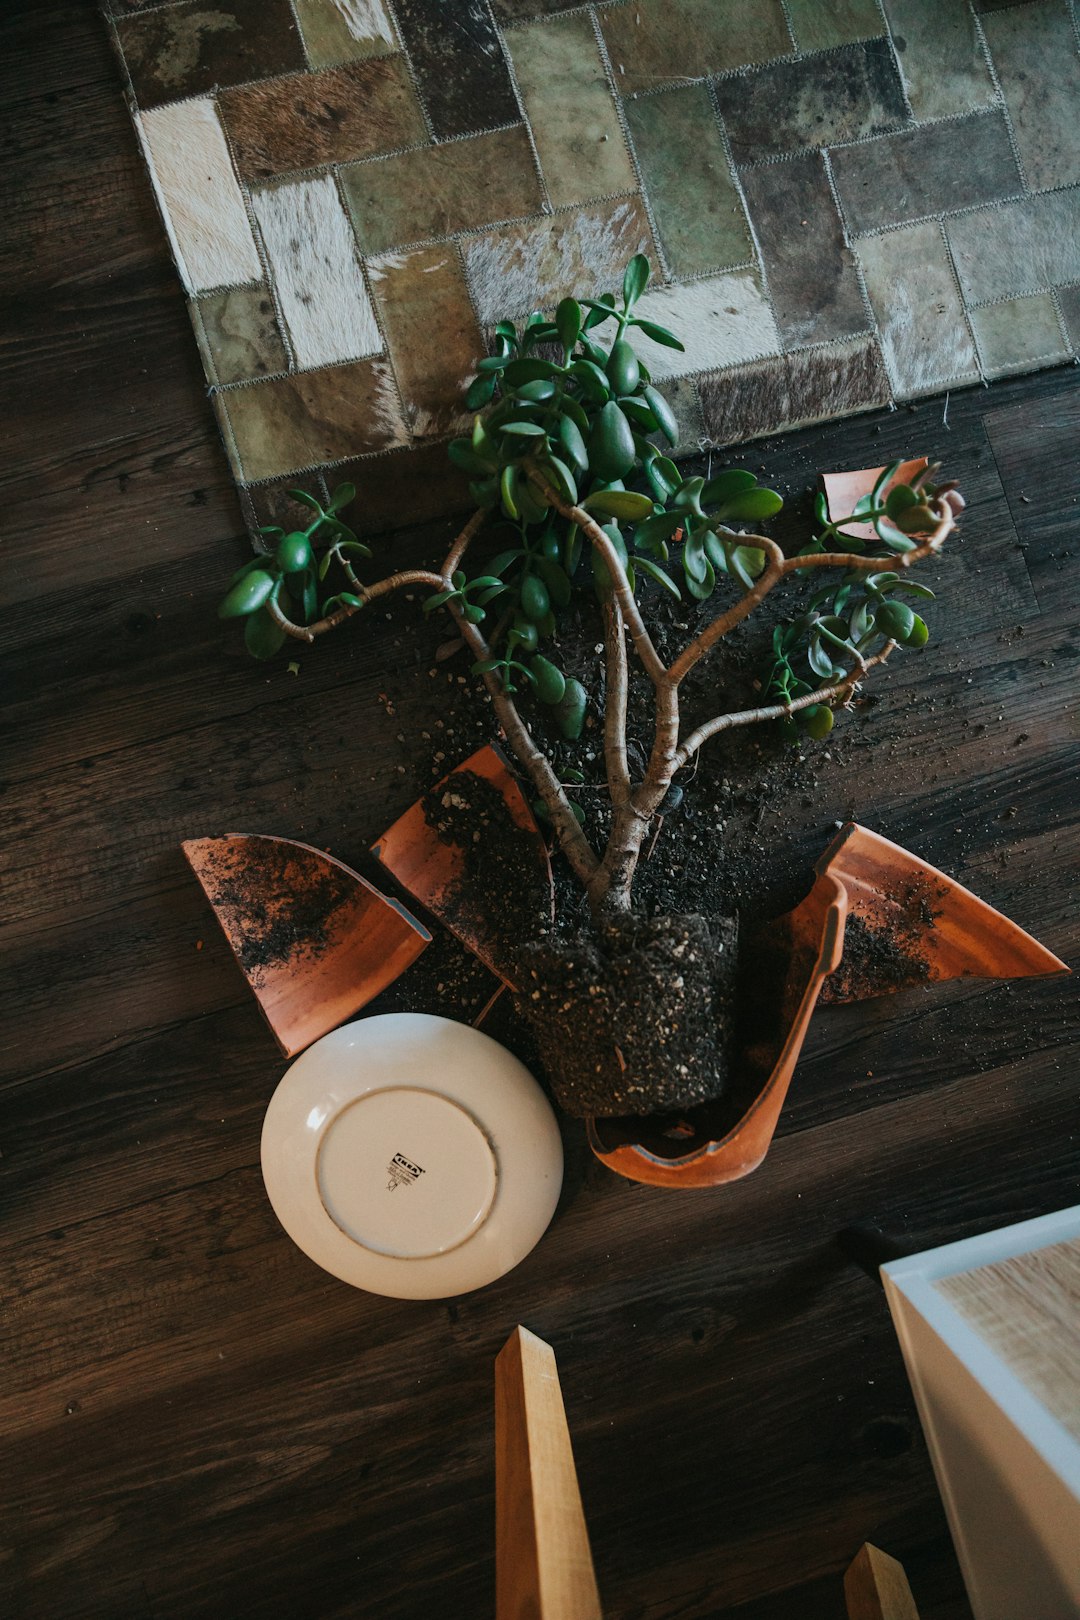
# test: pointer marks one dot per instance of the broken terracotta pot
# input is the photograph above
(844, 489)
(471, 853)
(724, 1140)
(908, 924)
(879, 920)
(315, 941)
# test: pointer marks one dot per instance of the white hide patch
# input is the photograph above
(199, 194)
(312, 254)
(924, 335)
(723, 321)
(524, 267)
(365, 19)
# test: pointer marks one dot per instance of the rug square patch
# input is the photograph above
(341, 113)
(187, 49)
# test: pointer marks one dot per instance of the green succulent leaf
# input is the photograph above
(884, 477)
(293, 554)
(819, 660)
(463, 455)
(564, 479)
(726, 485)
(694, 560)
(302, 496)
(574, 445)
(538, 392)
(524, 636)
(747, 563)
(522, 430)
(899, 498)
(535, 600)
(343, 496)
(479, 392)
(622, 369)
(557, 581)
(750, 505)
(635, 279)
(891, 536)
(592, 379)
(665, 416)
(570, 711)
(659, 334)
(549, 679)
(639, 413)
(568, 322)
(816, 721)
(530, 369)
(624, 504)
(702, 589)
(895, 619)
(247, 595)
(509, 492)
(263, 636)
(611, 443)
(655, 572)
(687, 496)
(655, 530)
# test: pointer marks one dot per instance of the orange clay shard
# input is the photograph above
(863, 881)
(315, 941)
(435, 871)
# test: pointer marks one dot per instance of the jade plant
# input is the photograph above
(564, 461)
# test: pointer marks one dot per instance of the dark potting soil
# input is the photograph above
(276, 903)
(502, 896)
(633, 1016)
(889, 951)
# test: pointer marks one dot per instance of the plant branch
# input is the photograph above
(903, 559)
(574, 844)
(704, 642)
(778, 711)
(651, 661)
(615, 698)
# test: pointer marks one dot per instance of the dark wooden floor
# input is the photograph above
(195, 1420)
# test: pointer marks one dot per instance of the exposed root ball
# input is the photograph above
(633, 1018)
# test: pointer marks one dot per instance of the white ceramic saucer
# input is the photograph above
(411, 1156)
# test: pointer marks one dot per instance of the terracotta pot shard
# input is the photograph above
(315, 941)
(878, 919)
(908, 924)
(717, 1142)
(844, 489)
(451, 848)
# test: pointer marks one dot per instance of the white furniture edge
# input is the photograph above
(910, 1287)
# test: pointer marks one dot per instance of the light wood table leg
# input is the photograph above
(543, 1565)
(876, 1588)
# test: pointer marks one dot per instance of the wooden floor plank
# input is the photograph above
(196, 1420)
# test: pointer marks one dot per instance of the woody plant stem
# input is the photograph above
(607, 878)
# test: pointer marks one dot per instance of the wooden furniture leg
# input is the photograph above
(876, 1588)
(543, 1565)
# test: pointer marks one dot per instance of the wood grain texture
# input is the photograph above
(876, 1588)
(197, 1422)
(543, 1565)
(1028, 1311)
